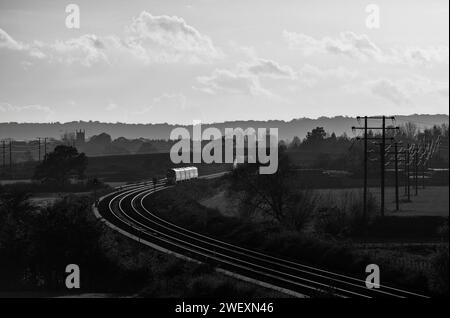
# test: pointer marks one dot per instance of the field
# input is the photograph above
(431, 201)
(48, 199)
(120, 168)
(138, 167)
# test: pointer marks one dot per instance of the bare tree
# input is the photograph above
(410, 130)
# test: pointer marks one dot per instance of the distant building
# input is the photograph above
(80, 137)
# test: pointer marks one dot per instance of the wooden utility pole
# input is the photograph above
(400, 156)
(39, 152)
(10, 154)
(407, 173)
(405, 168)
(45, 148)
(396, 176)
(423, 160)
(382, 165)
(416, 169)
(365, 168)
(4, 155)
(382, 155)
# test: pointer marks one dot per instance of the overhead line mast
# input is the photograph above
(383, 129)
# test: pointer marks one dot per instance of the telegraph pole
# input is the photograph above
(10, 154)
(423, 161)
(405, 165)
(396, 176)
(45, 148)
(407, 173)
(416, 170)
(4, 155)
(383, 148)
(365, 168)
(382, 155)
(400, 156)
(39, 152)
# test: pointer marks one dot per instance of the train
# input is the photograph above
(176, 175)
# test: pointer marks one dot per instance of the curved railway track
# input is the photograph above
(127, 210)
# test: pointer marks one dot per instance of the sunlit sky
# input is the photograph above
(217, 60)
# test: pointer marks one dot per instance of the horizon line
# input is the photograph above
(216, 122)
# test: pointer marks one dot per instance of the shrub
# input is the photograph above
(346, 216)
(439, 275)
(343, 219)
(300, 210)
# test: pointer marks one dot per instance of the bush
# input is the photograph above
(276, 239)
(300, 209)
(37, 243)
(268, 237)
(346, 217)
(439, 276)
(332, 221)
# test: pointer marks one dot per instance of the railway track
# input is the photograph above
(127, 210)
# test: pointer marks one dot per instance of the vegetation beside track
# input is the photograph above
(333, 245)
(37, 243)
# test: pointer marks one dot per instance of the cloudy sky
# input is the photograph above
(216, 60)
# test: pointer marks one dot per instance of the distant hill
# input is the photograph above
(287, 129)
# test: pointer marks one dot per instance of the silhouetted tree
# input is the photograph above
(410, 130)
(316, 135)
(271, 194)
(15, 216)
(59, 165)
(295, 143)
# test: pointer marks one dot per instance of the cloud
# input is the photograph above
(174, 102)
(360, 47)
(389, 90)
(245, 79)
(170, 39)
(232, 82)
(419, 85)
(443, 91)
(111, 106)
(348, 44)
(158, 108)
(425, 56)
(27, 113)
(269, 68)
(6, 41)
(311, 75)
(404, 91)
(85, 50)
(149, 38)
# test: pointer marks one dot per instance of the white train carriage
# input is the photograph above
(176, 175)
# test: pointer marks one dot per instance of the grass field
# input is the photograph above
(431, 201)
(119, 168)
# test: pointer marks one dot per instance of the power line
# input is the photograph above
(4, 155)
(383, 139)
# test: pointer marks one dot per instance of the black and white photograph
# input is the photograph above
(213, 156)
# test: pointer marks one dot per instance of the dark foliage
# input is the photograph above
(36, 244)
(62, 163)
